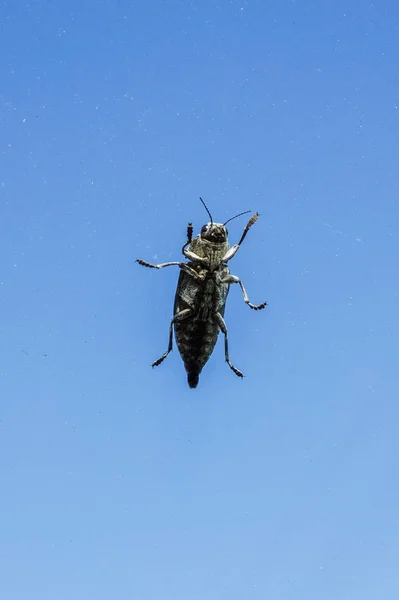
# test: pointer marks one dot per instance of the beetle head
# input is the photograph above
(214, 232)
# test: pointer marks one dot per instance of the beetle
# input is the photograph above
(201, 295)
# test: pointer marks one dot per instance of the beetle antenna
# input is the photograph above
(239, 215)
(207, 209)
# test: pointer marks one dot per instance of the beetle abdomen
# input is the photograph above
(196, 341)
(192, 379)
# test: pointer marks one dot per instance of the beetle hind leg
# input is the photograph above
(223, 329)
(170, 347)
(183, 314)
(234, 369)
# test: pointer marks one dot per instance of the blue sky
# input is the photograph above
(118, 481)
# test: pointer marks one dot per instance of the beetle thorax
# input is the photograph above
(211, 243)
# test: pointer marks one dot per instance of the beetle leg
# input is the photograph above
(160, 266)
(189, 236)
(233, 279)
(195, 258)
(223, 329)
(183, 266)
(233, 250)
(180, 316)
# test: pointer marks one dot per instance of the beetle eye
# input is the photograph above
(203, 230)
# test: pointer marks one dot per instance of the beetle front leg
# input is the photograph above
(233, 250)
(191, 256)
(180, 316)
(189, 236)
(233, 279)
(223, 329)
